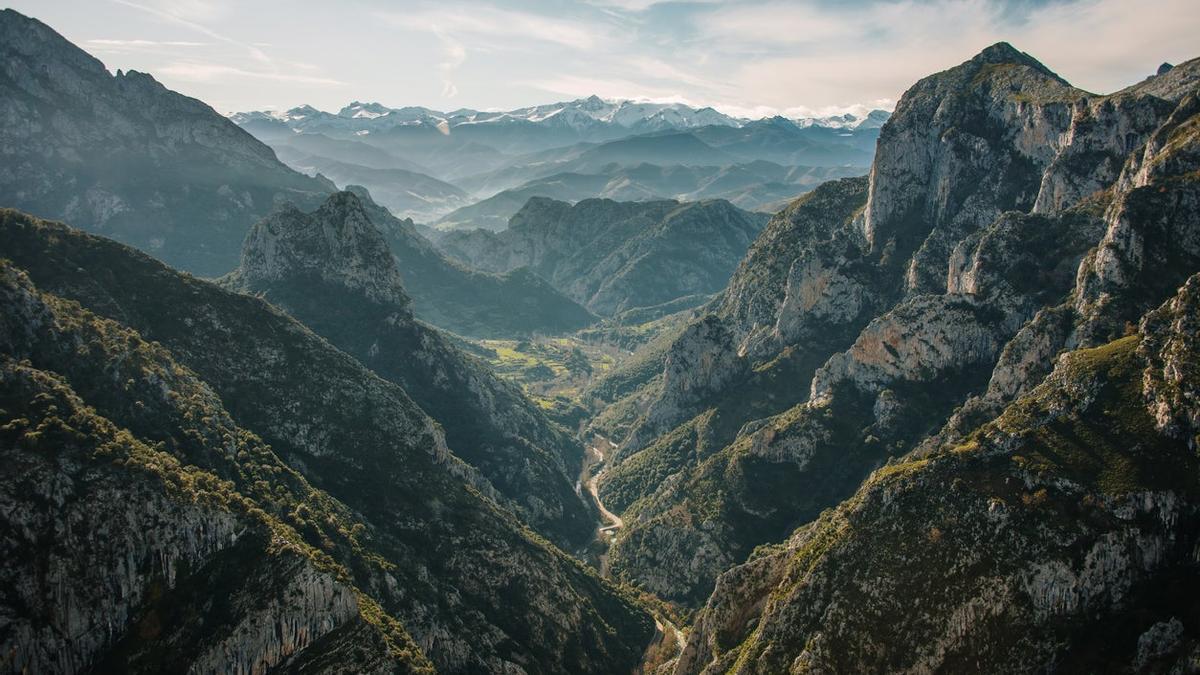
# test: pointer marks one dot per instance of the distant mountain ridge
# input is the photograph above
(589, 113)
(485, 152)
(754, 186)
(614, 256)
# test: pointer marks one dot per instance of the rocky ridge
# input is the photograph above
(144, 520)
(333, 271)
(466, 300)
(1061, 536)
(975, 254)
(378, 490)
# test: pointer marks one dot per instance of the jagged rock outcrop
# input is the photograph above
(1171, 350)
(701, 362)
(962, 147)
(126, 157)
(613, 256)
(1062, 535)
(954, 273)
(780, 293)
(333, 271)
(336, 245)
(313, 439)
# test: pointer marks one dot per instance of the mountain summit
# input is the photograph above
(336, 244)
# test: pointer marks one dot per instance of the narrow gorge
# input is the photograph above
(598, 386)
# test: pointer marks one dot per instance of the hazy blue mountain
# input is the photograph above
(466, 146)
(340, 149)
(755, 186)
(408, 194)
(614, 256)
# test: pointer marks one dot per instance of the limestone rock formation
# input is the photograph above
(332, 270)
(1009, 217)
(252, 412)
(1061, 535)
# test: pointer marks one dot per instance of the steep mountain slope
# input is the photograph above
(747, 186)
(1060, 536)
(334, 272)
(408, 520)
(1008, 217)
(136, 482)
(124, 156)
(613, 256)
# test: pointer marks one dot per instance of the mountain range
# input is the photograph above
(923, 310)
(754, 186)
(940, 417)
(465, 155)
(248, 495)
(615, 256)
(123, 156)
(585, 119)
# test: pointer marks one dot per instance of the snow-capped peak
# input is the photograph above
(358, 110)
(583, 115)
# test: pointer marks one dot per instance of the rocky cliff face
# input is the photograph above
(1061, 535)
(336, 245)
(126, 157)
(1008, 217)
(292, 431)
(158, 552)
(968, 144)
(613, 256)
(333, 271)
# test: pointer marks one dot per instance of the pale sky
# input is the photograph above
(752, 58)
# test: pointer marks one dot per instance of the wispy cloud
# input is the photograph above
(209, 72)
(488, 28)
(797, 57)
(578, 86)
(168, 13)
(493, 22)
(189, 14)
(643, 5)
(828, 55)
(144, 43)
(456, 55)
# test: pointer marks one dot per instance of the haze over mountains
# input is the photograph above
(570, 150)
(939, 412)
